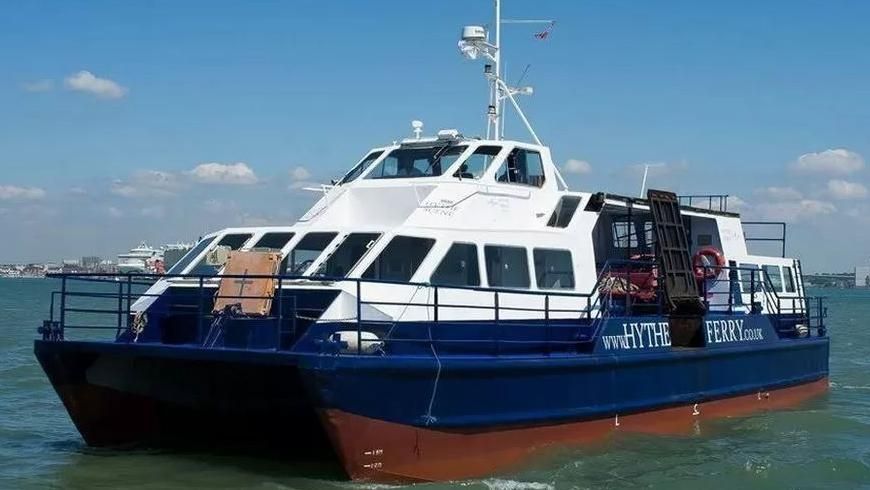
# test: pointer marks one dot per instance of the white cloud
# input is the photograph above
(843, 189)
(114, 212)
(38, 86)
(14, 193)
(736, 205)
(780, 193)
(794, 210)
(300, 173)
(238, 173)
(153, 211)
(579, 167)
(147, 183)
(85, 81)
(837, 162)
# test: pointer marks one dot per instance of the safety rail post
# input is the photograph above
(497, 332)
(435, 315)
(62, 302)
(280, 314)
(199, 312)
(547, 323)
(120, 308)
(358, 317)
(129, 298)
(752, 290)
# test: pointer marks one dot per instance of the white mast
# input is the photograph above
(475, 42)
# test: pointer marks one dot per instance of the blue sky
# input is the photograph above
(124, 121)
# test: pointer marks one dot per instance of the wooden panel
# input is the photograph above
(253, 295)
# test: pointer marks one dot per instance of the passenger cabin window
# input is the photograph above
(234, 241)
(564, 211)
(748, 274)
(476, 164)
(275, 240)
(404, 163)
(306, 252)
(554, 269)
(190, 256)
(774, 275)
(400, 259)
(458, 267)
(346, 256)
(789, 279)
(506, 267)
(522, 167)
(361, 167)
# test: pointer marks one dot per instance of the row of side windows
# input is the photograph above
(506, 267)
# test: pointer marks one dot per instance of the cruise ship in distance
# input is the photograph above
(140, 259)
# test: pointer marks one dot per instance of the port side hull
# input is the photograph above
(137, 395)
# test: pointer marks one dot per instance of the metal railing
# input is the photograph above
(195, 295)
(712, 202)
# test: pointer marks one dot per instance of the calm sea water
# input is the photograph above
(822, 444)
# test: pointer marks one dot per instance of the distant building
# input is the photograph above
(862, 276)
(91, 262)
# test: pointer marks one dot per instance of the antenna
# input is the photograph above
(417, 126)
(475, 43)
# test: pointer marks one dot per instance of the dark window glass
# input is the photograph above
(564, 211)
(306, 252)
(233, 241)
(190, 256)
(747, 278)
(789, 279)
(361, 167)
(458, 267)
(522, 167)
(506, 267)
(476, 164)
(346, 256)
(400, 259)
(275, 240)
(554, 269)
(774, 276)
(405, 163)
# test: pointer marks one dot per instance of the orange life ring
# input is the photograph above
(708, 263)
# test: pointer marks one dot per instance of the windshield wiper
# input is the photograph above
(437, 157)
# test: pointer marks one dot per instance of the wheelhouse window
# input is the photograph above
(233, 241)
(361, 167)
(346, 256)
(404, 163)
(788, 272)
(306, 252)
(506, 267)
(774, 276)
(400, 259)
(476, 164)
(564, 211)
(554, 269)
(190, 256)
(522, 167)
(275, 240)
(458, 267)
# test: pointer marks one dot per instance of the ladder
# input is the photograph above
(672, 247)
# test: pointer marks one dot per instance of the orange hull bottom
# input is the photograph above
(375, 450)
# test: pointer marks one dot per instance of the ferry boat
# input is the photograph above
(448, 309)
